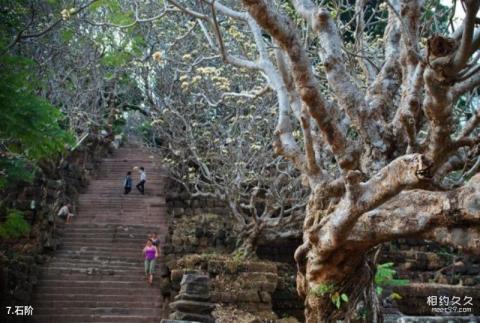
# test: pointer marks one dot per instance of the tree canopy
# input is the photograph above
(358, 118)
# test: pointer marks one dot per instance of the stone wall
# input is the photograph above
(59, 182)
(245, 284)
(432, 270)
(202, 237)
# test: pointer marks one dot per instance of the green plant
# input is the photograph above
(238, 257)
(328, 288)
(14, 226)
(321, 289)
(338, 298)
(384, 276)
(29, 125)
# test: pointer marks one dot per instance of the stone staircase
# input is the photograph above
(97, 273)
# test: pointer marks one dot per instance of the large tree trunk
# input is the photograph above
(353, 279)
(348, 274)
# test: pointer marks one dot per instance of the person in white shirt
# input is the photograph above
(64, 212)
(143, 179)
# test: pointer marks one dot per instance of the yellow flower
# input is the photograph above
(65, 14)
(157, 56)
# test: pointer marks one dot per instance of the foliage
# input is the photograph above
(29, 125)
(14, 226)
(329, 289)
(385, 276)
(338, 298)
(322, 289)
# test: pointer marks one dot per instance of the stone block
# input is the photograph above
(192, 317)
(224, 297)
(260, 267)
(194, 289)
(265, 297)
(250, 296)
(190, 306)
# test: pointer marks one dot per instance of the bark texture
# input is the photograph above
(390, 182)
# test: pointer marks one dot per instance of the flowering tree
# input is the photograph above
(217, 144)
(379, 146)
(376, 108)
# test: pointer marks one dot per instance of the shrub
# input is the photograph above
(14, 226)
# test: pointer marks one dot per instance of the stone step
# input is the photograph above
(77, 264)
(119, 245)
(92, 290)
(131, 256)
(60, 297)
(95, 318)
(119, 283)
(110, 238)
(97, 311)
(125, 276)
(96, 275)
(149, 303)
(113, 262)
(117, 237)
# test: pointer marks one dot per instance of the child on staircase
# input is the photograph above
(65, 213)
(127, 183)
(143, 179)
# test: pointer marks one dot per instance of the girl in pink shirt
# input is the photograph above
(151, 253)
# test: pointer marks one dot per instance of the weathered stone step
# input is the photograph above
(94, 291)
(129, 257)
(123, 219)
(92, 266)
(126, 238)
(97, 311)
(87, 250)
(119, 244)
(87, 270)
(125, 276)
(88, 283)
(95, 318)
(110, 263)
(97, 275)
(109, 235)
(54, 297)
(152, 303)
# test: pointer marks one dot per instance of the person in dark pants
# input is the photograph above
(143, 179)
(127, 183)
(155, 240)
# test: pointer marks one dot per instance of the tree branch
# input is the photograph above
(283, 30)
(368, 121)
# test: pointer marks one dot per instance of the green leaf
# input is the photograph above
(395, 296)
(29, 125)
(67, 35)
(14, 226)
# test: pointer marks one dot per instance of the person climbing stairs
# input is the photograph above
(97, 275)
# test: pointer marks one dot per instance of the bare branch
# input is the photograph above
(368, 121)
(465, 50)
(283, 30)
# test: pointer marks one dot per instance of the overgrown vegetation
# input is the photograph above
(14, 225)
(335, 296)
(30, 127)
(385, 276)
